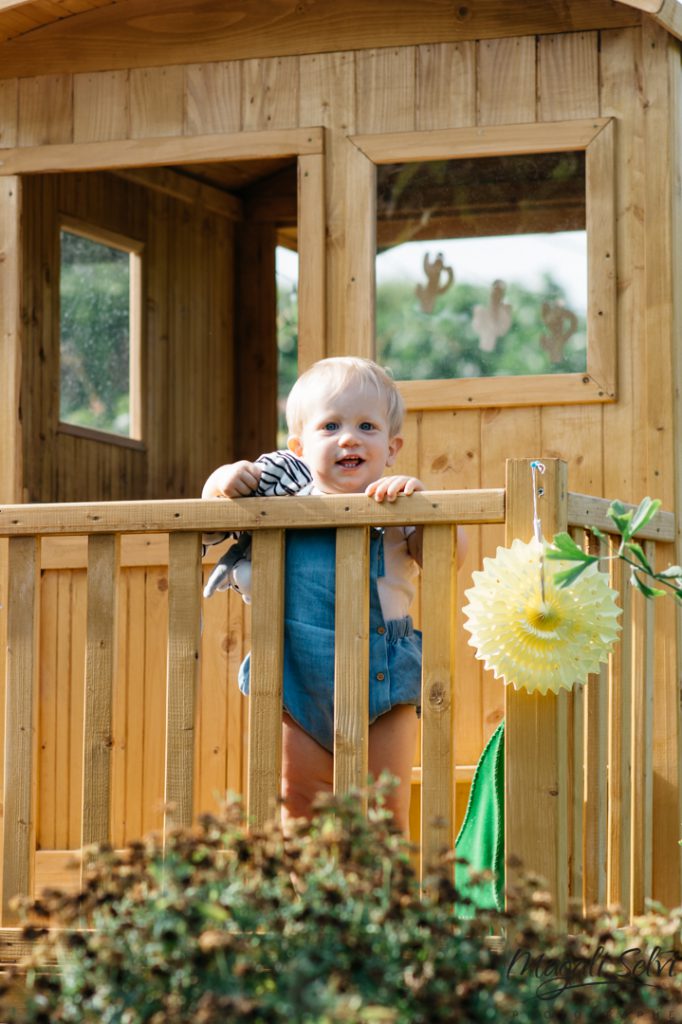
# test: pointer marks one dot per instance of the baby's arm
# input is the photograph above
(390, 487)
(234, 480)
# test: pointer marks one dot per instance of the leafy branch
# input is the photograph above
(627, 523)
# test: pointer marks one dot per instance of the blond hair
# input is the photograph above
(334, 375)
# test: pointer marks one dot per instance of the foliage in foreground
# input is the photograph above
(324, 926)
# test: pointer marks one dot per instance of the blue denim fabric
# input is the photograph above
(394, 647)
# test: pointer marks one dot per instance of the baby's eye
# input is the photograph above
(331, 426)
(366, 425)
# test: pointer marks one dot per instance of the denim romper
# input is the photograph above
(394, 646)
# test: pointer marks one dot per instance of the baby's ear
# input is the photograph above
(394, 446)
(294, 445)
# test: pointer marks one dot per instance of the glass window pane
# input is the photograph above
(286, 269)
(94, 295)
(482, 267)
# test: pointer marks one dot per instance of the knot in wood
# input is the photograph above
(437, 696)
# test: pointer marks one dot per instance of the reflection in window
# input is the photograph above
(95, 334)
(482, 266)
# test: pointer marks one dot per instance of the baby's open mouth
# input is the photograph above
(350, 461)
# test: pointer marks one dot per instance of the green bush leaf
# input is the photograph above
(638, 552)
(646, 510)
(672, 572)
(621, 517)
(568, 576)
(566, 549)
(649, 592)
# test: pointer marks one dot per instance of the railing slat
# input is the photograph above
(642, 750)
(351, 659)
(100, 654)
(20, 735)
(620, 751)
(267, 651)
(184, 628)
(536, 748)
(439, 613)
(596, 754)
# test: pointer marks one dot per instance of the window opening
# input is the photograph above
(481, 266)
(286, 270)
(99, 331)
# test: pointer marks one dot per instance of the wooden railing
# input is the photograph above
(560, 808)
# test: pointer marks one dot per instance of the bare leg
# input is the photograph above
(392, 741)
(307, 769)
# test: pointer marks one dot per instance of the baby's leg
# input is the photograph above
(392, 741)
(307, 769)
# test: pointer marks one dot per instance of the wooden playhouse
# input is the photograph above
(199, 136)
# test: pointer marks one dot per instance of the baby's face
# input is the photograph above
(345, 440)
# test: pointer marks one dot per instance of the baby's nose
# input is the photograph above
(348, 439)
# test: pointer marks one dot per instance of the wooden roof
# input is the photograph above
(56, 36)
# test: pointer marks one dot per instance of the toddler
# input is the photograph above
(344, 417)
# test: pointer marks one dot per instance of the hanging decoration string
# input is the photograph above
(538, 467)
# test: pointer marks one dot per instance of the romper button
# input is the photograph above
(381, 630)
(380, 676)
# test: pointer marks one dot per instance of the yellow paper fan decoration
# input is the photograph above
(534, 643)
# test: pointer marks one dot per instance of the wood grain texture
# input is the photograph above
(184, 597)
(385, 89)
(213, 98)
(45, 110)
(506, 80)
(446, 86)
(139, 35)
(439, 603)
(643, 750)
(312, 284)
(351, 660)
(9, 112)
(156, 102)
(101, 106)
(536, 731)
(20, 726)
(620, 752)
(265, 699)
(270, 93)
(11, 339)
(568, 75)
(100, 669)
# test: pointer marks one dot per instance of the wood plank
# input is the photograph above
(620, 752)
(205, 31)
(213, 98)
(385, 89)
(11, 457)
(270, 93)
(184, 637)
(312, 511)
(187, 190)
(601, 260)
(643, 750)
(483, 140)
(77, 617)
(9, 112)
(61, 739)
(495, 392)
(156, 101)
(506, 80)
(312, 305)
(536, 755)
(155, 672)
(155, 152)
(669, 17)
(351, 660)
(439, 603)
(101, 106)
(267, 657)
(20, 728)
(568, 75)
(584, 510)
(99, 681)
(655, 417)
(45, 110)
(47, 708)
(675, 71)
(237, 641)
(446, 85)
(135, 709)
(211, 751)
(596, 773)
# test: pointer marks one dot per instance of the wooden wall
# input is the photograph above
(187, 406)
(624, 449)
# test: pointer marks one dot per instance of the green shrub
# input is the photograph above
(325, 925)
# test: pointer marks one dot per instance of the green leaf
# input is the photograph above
(672, 572)
(596, 532)
(621, 517)
(638, 552)
(646, 510)
(568, 576)
(648, 592)
(564, 547)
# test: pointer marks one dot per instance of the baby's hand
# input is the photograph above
(234, 480)
(391, 486)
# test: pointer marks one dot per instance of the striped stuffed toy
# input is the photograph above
(283, 474)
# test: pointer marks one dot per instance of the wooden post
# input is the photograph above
(20, 733)
(439, 616)
(11, 475)
(620, 750)
(184, 611)
(351, 659)
(267, 659)
(311, 272)
(100, 656)
(536, 741)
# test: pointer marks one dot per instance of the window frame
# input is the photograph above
(596, 137)
(134, 248)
